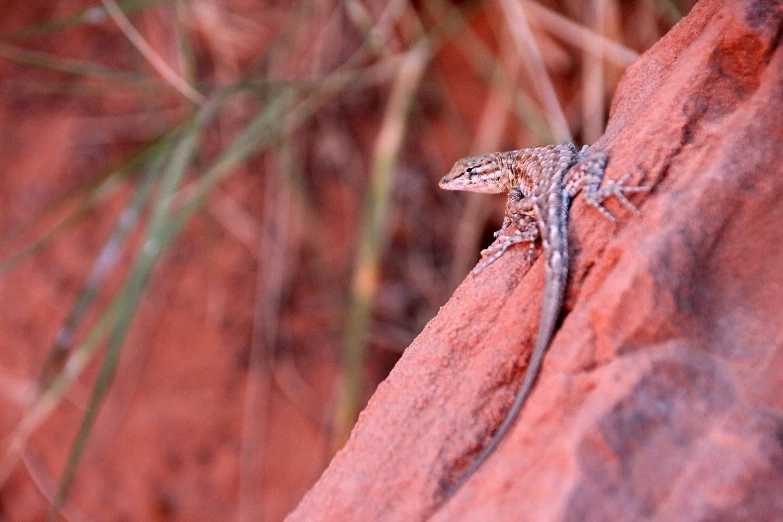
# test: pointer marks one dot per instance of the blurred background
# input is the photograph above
(220, 224)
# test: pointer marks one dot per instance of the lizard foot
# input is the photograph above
(504, 243)
(617, 189)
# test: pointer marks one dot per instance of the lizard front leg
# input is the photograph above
(520, 212)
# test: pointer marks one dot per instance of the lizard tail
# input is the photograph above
(556, 274)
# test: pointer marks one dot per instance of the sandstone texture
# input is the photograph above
(660, 397)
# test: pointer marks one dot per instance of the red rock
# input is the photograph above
(660, 397)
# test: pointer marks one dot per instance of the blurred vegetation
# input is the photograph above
(344, 114)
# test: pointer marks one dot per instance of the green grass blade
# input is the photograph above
(93, 191)
(104, 262)
(125, 314)
(127, 300)
(83, 354)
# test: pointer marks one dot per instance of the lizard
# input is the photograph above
(540, 182)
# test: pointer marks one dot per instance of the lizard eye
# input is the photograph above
(469, 171)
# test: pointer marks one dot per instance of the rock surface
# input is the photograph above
(660, 396)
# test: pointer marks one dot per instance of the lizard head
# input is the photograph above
(488, 174)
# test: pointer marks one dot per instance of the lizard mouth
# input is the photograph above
(446, 180)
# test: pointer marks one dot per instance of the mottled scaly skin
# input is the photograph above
(540, 182)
